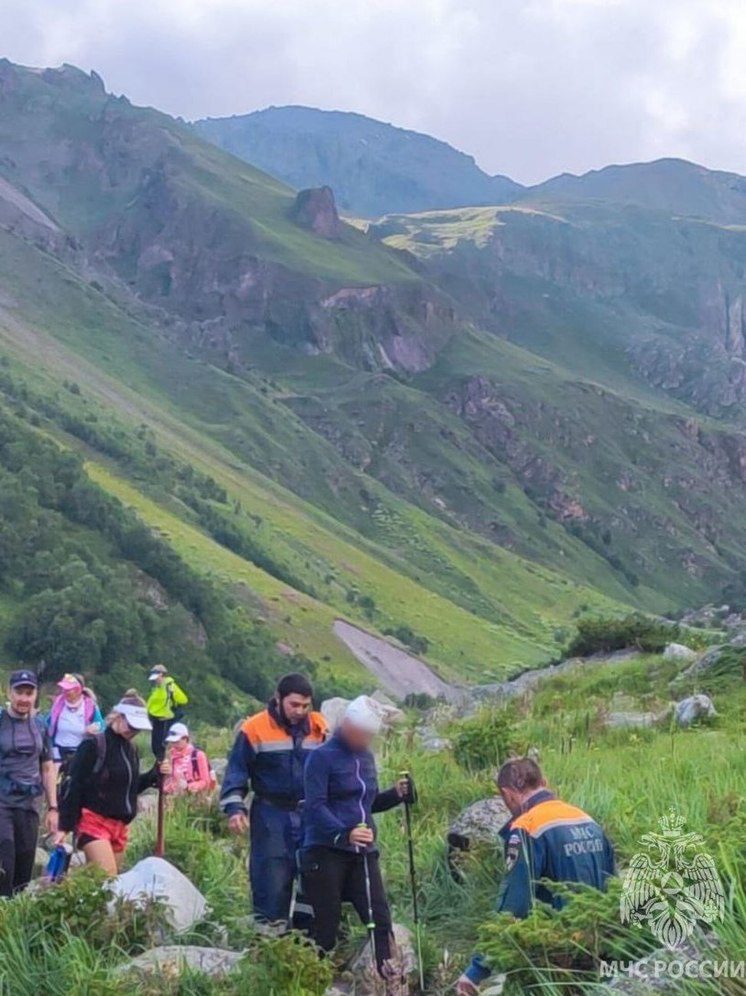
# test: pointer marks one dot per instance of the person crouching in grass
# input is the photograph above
(100, 798)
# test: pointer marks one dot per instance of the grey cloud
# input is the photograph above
(529, 87)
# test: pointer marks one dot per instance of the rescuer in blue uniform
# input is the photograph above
(269, 754)
(546, 839)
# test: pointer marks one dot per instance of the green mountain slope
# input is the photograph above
(374, 168)
(459, 442)
(483, 610)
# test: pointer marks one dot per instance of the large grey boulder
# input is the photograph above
(157, 879)
(693, 708)
(334, 709)
(479, 823)
(172, 959)
(705, 662)
(679, 652)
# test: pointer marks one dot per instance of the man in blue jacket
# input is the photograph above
(269, 754)
(339, 838)
(546, 839)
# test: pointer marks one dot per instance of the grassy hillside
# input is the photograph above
(372, 557)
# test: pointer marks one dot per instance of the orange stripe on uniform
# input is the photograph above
(262, 729)
(549, 814)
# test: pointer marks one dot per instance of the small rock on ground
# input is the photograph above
(172, 959)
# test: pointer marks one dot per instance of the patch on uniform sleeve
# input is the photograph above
(512, 852)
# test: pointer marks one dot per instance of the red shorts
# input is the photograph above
(93, 826)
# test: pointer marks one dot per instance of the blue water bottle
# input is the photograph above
(59, 862)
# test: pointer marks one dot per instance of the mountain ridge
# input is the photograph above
(371, 165)
(434, 428)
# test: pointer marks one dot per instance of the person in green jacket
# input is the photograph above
(165, 705)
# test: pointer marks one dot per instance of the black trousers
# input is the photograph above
(19, 830)
(158, 736)
(330, 877)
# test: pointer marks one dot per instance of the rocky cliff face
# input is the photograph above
(659, 296)
(212, 249)
(315, 210)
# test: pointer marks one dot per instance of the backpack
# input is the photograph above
(98, 765)
(89, 711)
(212, 783)
(39, 732)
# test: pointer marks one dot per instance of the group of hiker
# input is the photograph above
(86, 767)
(313, 840)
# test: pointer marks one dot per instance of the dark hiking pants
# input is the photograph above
(275, 838)
(19, 830)
(158, 736)
(331, 877)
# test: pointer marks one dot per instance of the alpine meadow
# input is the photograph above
(297, 391)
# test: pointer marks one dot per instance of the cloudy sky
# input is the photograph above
(529, 87)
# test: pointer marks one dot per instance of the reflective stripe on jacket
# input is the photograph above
(550, 840)
(269, 755)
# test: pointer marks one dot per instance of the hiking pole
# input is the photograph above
(371, 924)
(409, 801)
(160, 834)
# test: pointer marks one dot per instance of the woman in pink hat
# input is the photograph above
(74, 714)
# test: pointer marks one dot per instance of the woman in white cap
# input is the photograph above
(99, 800)
(74, 714)
(190, 769)
(339, 859)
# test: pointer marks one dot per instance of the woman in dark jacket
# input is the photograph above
(99, 800)
(339, 859)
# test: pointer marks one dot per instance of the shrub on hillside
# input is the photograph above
(558, 946)
(81, 905)
(486, 740)
(602, 635)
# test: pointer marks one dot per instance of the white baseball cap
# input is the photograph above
(177, 731)
(136, 716)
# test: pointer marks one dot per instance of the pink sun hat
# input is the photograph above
(68, 682)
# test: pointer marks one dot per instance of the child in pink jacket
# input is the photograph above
(190, 769)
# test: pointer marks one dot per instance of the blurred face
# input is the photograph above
(22, 699)
(122, 727)
(356, 738)
(295, 707)
(72, 695)
(179, 745)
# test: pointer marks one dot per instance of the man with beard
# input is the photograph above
(269, 755)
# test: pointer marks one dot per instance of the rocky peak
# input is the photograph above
(316, 210)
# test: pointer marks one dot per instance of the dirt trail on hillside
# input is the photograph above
(396, 671)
